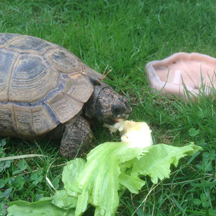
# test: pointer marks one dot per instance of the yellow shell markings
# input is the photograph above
(7, 62)
(42, 87)
(12, 46)
(22, 119)
(41, 120)
(6, 119)
(78, 87)
(70, 100)
(30, 121)
(8, 38)
(29, 44)
(64, 106)
(23, 84)
(31, 79)
(64, 61)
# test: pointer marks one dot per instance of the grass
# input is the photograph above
(118, 38)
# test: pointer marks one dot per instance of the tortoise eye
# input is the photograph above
(117, 109)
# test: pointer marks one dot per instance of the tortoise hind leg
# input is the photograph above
(76, 138)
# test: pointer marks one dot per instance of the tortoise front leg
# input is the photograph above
(76, 138)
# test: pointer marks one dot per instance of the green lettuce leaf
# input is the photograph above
(99, 180)
(42, 207)
(157, 160)
(70, 173)
(132, 183)
(110, 169)
(63, 200)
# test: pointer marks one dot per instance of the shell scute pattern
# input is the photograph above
(23, 119)
(63, 61)
(7, 60)
(64, 106)
(78, 87)
(7, 38)
(41, 120)
(7, 120)
(32, 79)
(30, 45)
(42, 85)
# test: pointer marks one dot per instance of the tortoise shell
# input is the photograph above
(42, 85)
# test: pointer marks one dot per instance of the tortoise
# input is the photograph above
(47, 90)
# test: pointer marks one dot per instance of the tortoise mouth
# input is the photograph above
(117, 118)
(123, 116)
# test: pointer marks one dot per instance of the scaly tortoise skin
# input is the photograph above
(44, 89)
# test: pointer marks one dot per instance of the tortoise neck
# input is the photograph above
(89, 108)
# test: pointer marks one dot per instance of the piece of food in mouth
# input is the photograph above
(136, 134)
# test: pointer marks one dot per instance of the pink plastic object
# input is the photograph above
(193, 71)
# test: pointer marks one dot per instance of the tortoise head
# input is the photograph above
(107, 106)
